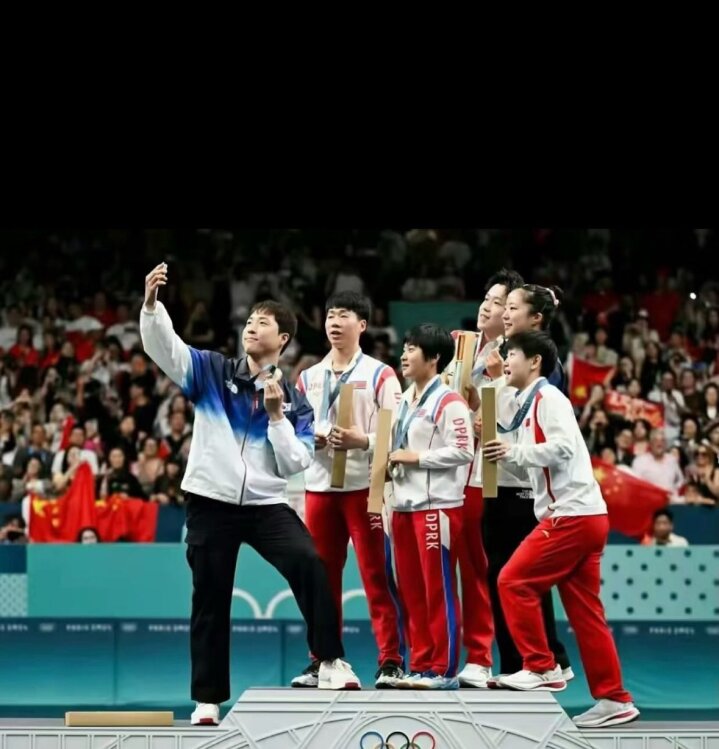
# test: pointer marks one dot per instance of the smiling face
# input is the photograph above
(491, 311)
(261, 336)
(518, 316)
(344, 328)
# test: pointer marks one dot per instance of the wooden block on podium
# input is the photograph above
(344, 420)
(379, 461)
(489, 433)
(128, 718)
(465, 349)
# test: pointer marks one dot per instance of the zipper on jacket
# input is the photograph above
(255, 402)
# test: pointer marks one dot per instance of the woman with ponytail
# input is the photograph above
(533, 307)
(509, 519)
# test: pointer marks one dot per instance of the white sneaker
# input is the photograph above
(567, 673)
(337, 674)
(388, 676)
(607, 713)
(549, 681)
(205, 714)
(473, 675)
(495, 682)
(409, 680)
(309, 678)
(430, 680)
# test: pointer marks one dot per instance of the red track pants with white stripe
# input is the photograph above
(563, 551)
(477, 622)
(332, 519)
(425, 548)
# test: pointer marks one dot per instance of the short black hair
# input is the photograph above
(510, 279)
(663, 512)
(285, 317)
(434, 341)
(352, 301)
(536, 343)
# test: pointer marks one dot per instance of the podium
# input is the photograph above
(314, 719)
(284, 718)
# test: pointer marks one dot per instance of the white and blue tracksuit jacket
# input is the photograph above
(237, 455)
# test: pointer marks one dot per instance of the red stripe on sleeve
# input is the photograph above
(447, 398)
(540, 437)
(385, 374)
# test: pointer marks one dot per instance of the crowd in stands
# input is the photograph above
(76, 386)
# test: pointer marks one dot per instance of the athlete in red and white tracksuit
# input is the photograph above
(564, 550)
(334, 516)
(477, 624)
(427, 523)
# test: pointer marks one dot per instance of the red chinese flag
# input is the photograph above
(111, 519)
(633, 409)
(62, 519)
(141, 520)
(127, 518)
(67, 426)
(631, 501)
(583, 375)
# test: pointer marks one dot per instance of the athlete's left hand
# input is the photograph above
(273, 400)
(404, 456)
(494, 365)
(495, 450)
(348, 439)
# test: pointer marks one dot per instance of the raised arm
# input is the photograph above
(159, 339)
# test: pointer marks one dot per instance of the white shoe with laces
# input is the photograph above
(549, 681)
(567, 673)
(205, 714)
(337, 674)
(473, 675)
(309, 678)
(607, 713)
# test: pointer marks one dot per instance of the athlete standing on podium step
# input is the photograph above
(509, 518)
(566, 546)
(334, 516)
(251, 433)
(432, 450)
(477, 622)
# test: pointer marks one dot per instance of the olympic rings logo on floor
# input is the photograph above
(397, 740)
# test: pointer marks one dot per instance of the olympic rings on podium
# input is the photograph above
(405, 742)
